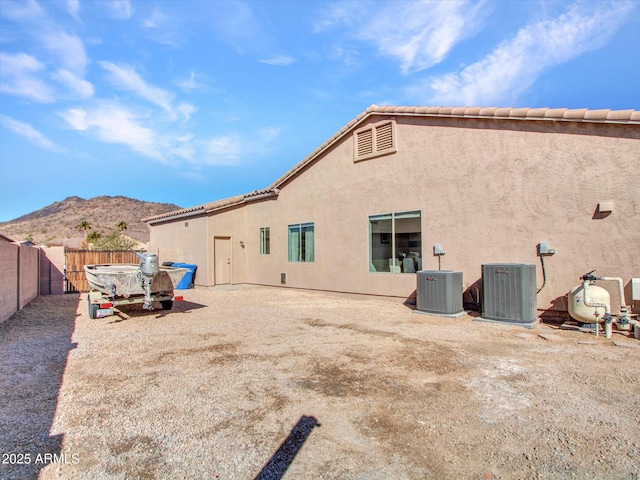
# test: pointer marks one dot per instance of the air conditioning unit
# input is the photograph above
(439, 292)
(509, 293)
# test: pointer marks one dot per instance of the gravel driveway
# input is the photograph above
(268, 383)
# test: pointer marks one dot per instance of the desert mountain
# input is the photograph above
(60, 220)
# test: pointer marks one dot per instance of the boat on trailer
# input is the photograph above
(124, 284)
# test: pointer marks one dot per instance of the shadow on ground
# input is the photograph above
(277, 466)
(135, 310)
(34, 346)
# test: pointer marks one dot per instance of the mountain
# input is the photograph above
(59, 221)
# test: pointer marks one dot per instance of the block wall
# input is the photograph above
(8, 279)
(28, 276)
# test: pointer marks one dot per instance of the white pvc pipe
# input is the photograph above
(623, 303)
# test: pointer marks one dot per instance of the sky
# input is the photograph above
(188, 102)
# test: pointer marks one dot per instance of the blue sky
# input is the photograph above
(189, 102)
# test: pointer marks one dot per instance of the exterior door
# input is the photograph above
(222, 256)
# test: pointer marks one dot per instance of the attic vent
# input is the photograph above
(384, 137)
(374, 140)
(364, 143)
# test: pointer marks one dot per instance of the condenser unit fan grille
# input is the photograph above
(439, 292)
(509, 292)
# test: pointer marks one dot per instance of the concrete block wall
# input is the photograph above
(28, 278)
(8, 279)
(19, 277)
(51, 270)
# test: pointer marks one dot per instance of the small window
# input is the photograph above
(395, 242)
(301, 242)
(374, 140)
(265, 241)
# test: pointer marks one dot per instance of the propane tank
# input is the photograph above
(149, 264)
(595, 294)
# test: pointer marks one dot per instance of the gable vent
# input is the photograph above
(375, 140)
(364, 143)
(384, 137)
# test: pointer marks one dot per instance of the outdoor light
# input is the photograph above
(241, 243)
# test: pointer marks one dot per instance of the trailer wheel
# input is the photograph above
(93, 309)
(167, 304)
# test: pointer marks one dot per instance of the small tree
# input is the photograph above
(83, 226)
(122, 225)
(93, 237)
(115, 241)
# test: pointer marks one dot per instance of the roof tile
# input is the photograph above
(519, 112)
(575, 114)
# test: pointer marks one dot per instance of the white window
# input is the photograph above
(301, 242)
(265, 241)
(374, 140)
(395, 242)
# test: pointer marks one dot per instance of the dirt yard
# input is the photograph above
(256, 382)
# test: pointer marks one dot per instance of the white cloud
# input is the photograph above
(157, 19)
(516, 64)
(27, 131)
(189, 84)
(20, 75)
(126, 78)
(69, 50)
(421, 34)
(21, 10)
(73, 7)
(222, 150)
(418, 34)
(80, 87)
(278, 60)
(114, 124)
(186, 109)
(120, 9)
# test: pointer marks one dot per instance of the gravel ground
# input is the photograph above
(256, 382)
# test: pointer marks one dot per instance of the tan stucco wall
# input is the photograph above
(184, 241)
(52, 260)
(488, 190)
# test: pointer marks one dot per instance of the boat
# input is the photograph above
(128, 279)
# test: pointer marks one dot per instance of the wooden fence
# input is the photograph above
(75, 260)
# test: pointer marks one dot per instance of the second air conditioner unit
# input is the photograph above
(509, 293)
(439, 292)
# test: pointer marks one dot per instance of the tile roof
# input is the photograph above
(582, 115)
(214, 206)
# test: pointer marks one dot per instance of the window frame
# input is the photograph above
(302, 242)
(265, 241)
(392, 238)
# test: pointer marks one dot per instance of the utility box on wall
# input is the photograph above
(439, 292)
(509, 294)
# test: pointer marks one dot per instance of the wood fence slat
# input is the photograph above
(75, 260)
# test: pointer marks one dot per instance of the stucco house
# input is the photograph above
(364, 211)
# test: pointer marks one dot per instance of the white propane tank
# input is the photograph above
(595, 294)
